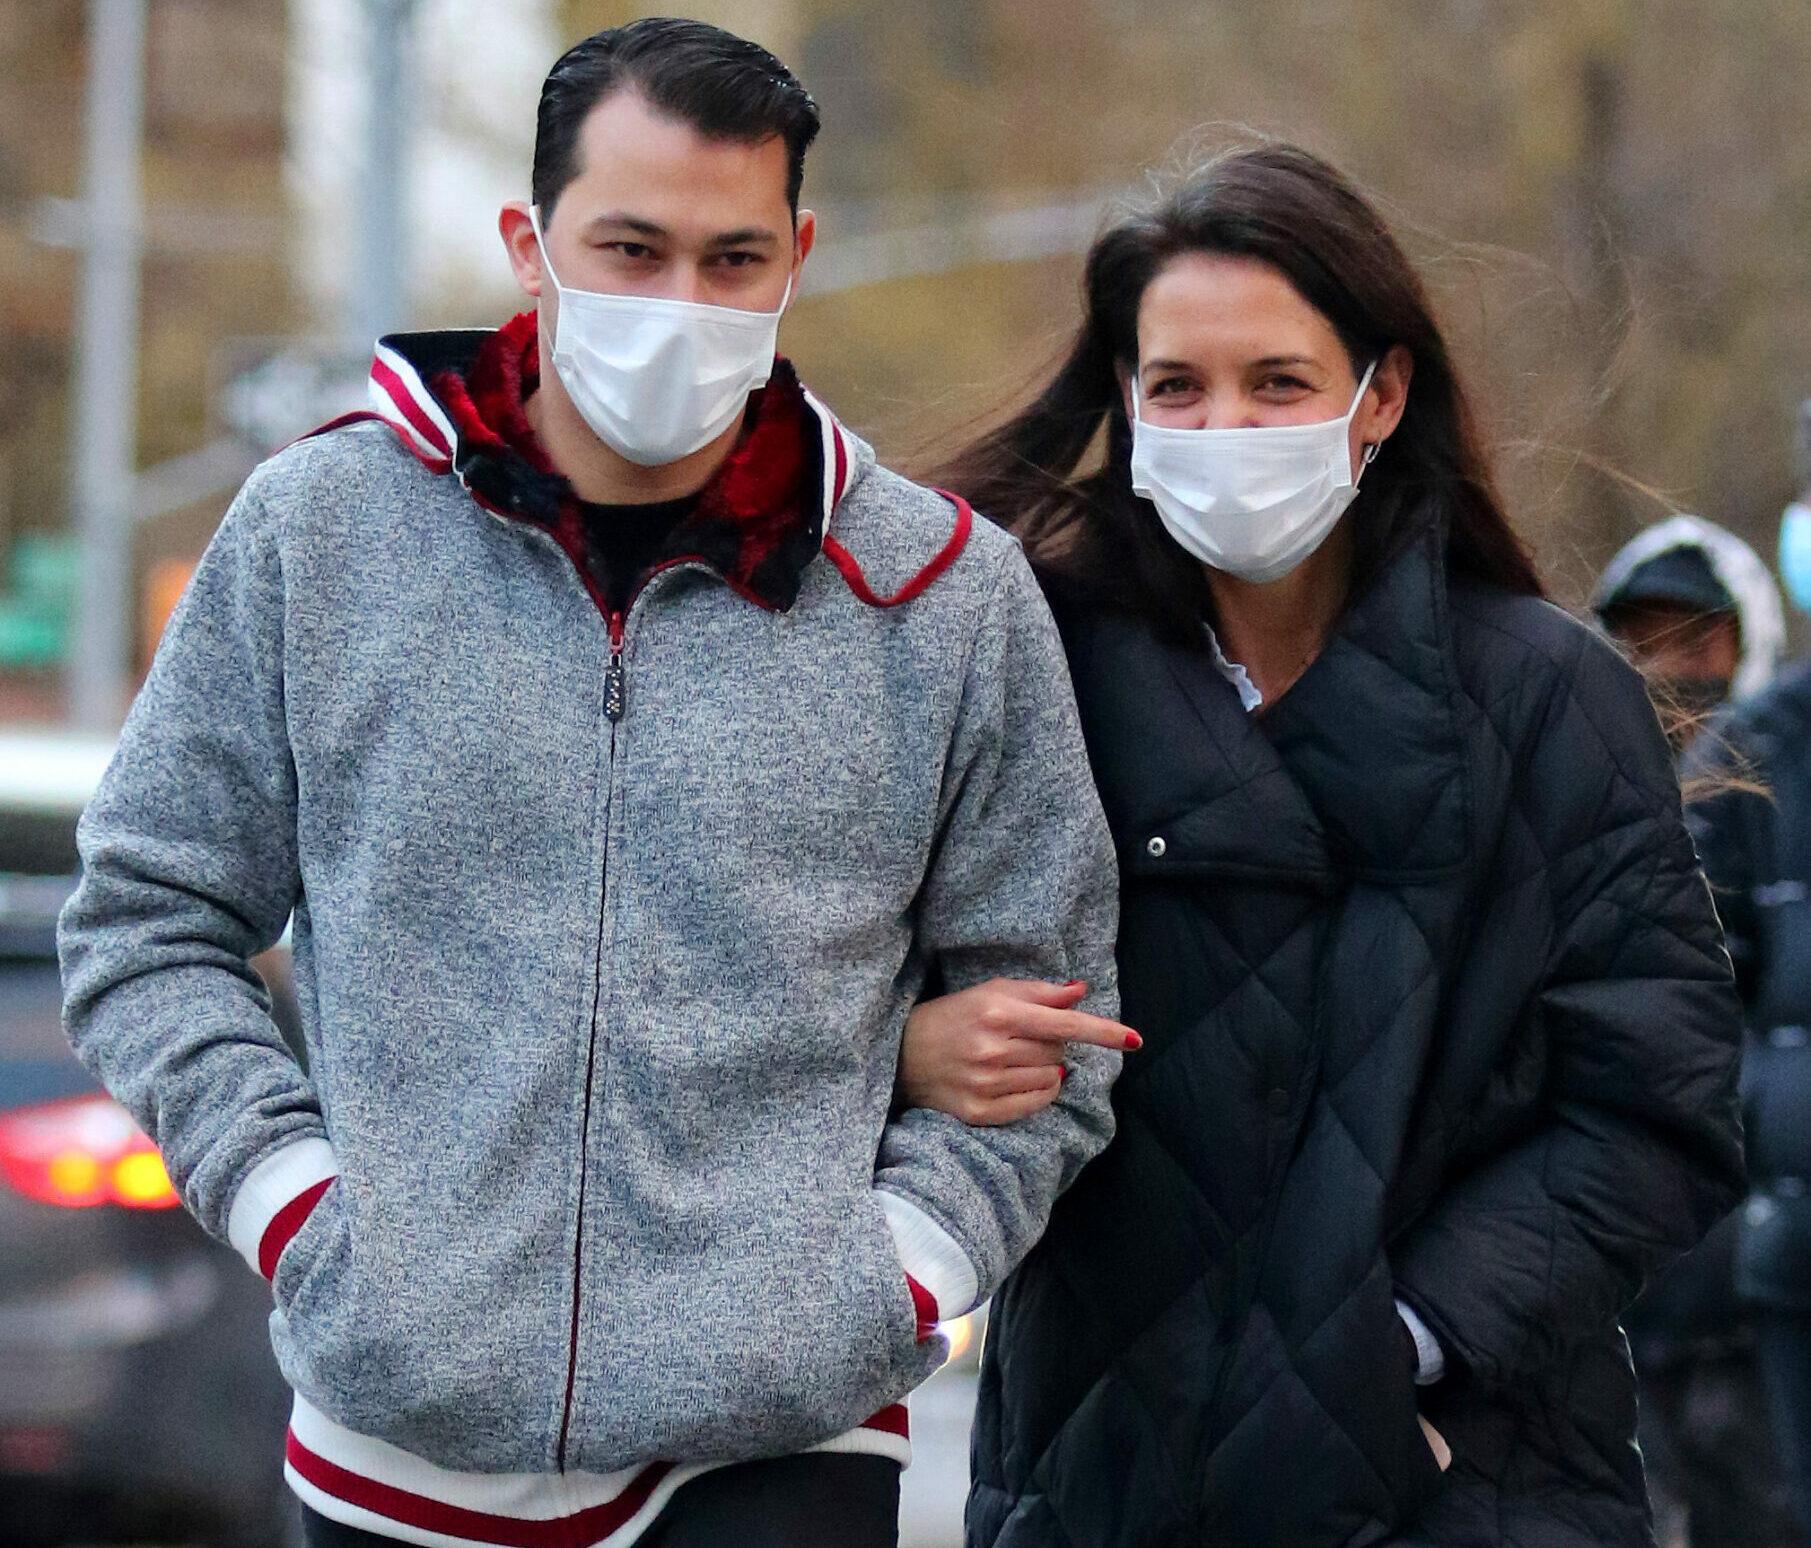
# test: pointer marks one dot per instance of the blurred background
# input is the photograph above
(1613, 197)
(208, 209)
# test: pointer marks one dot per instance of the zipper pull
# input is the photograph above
(615, 686)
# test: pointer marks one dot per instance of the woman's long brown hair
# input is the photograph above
(1084, 528)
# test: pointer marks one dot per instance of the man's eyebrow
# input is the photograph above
(621, 218)
(745, 236)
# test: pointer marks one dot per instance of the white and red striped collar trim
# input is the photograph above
(402, 400)
(838, 460)
(369, 1484)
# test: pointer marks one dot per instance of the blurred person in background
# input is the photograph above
(629, 747)
(1440, 1036)
(1698, 612)
(1696, 609)
(1754, 833)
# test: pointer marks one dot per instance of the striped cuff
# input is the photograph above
(1430, 1358)
(276, 1197)
(933, 1262)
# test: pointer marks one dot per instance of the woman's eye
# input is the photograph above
(1285, 384)
(1171, 385)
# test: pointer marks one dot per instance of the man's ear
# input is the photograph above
(517, 230)
(804, 238)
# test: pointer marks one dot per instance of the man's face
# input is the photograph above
(1689, 659)
(657, 209)
(1671, 642)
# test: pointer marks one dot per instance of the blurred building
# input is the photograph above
(216, 256)
(1612, 199)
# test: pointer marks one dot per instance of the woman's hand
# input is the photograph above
(1443, 1453)
(994, 1054)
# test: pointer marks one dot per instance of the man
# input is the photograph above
(1694, 607)
(629, 749)
(1754, 833)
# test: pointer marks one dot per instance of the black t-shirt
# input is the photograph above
(622, 541)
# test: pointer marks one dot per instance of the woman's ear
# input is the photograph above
(1386, 397)
(1125, 393)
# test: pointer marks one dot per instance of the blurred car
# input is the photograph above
(139, 1401)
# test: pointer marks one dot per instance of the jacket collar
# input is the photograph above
(455, 399)
(1358, 771)
(1372, 733)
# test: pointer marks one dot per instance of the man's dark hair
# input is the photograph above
(723, 86)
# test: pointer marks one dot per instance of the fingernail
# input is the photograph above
(1065, 1069)
(1076, 983)
(1133, 1042)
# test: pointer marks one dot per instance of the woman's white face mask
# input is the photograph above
(1254, 502)
(657, 380)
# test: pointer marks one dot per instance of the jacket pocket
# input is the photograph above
(1410, 1471)
(1401, 1452)
(313, 1275)
(773, 1342)
(318, 1332)
(319, 1226)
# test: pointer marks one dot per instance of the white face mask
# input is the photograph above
(1254, 502)
(657, 379)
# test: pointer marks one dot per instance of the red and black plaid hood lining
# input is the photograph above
(758, 523)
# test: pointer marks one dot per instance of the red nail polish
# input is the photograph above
(1076, 983)
(1133, 1042)
(1065, 1069)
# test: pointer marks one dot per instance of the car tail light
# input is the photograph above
(81, 1152)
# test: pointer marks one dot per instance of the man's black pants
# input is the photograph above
(820, 1500)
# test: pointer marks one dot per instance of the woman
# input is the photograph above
(1439, 1034)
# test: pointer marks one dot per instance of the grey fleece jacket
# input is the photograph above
(593, 1161)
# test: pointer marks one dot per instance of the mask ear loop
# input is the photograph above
(1369, 455)
(534, 219)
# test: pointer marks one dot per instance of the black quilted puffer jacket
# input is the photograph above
(1435, 1008)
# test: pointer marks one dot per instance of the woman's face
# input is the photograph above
(1229, 343)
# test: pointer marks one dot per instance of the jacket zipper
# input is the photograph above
(615, 687)
(613, 711)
